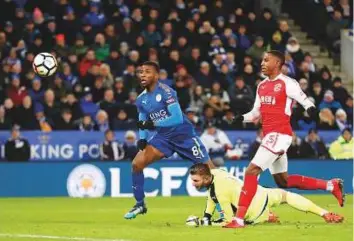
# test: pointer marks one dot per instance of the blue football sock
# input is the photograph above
(138, 187)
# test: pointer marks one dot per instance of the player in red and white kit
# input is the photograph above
(273, 104)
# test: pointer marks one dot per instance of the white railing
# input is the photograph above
(347, 53)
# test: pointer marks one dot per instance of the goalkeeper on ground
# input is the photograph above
(224, 190)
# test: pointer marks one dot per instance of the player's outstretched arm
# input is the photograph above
(294, 91)
(175, 118)
(255, 113)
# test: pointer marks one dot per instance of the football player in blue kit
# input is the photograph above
(160, 111)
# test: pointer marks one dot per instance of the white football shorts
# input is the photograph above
(272, 153)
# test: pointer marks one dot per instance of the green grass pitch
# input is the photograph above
(102, 219)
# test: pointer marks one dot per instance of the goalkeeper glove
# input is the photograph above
(312, 112)
(218, 222)
(142, 144)
(205, 221)
(146, 125)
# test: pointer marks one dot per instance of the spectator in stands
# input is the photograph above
(86, 123)
(243, 40)
(227, 121)
(70, 25)
(43, 123)
(130, 145)
(10, 110)
(346, 9)
(317, 92)
(329, 102)
(241, 95)
(116, 62)
(209, 117)
(108, 103)
(327, 120)
(87, 62)
(294, 149)
(110, 149)
(164, 78)
(204, 78)
(342, 148)
(65, 121)
(130, 80)
(5, 123)
(59, 88)
(102, 122)
(94, 17)
(128, 33)
(79, 48)
(206, 33)
(194, 118)
(70, 102)
(100, 47)
(267, 25)
(255, 145)
(276, 43)
(349, 109)
(341, 120)
(222, 94)
(313, 146)
(333, 28)
(309, 60)
(60, 47)
(256, 51)
(217, 143)
(325, 78)
(151, 36)
(339, 92)
(121, 94)
(25, 115)
(293, 47)
(87, 105)
(123, 122)
(304, 85)
(68, 77)
(290, 64)
(16, 92)
(284, 31)
(216, 47)
(17, 148)
(50, 105)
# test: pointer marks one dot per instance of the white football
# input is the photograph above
(45, 64)
(192, 221)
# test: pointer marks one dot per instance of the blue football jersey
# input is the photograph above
(154, 105)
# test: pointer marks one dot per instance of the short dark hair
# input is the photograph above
(200, 169)
(279, 55)
(153, 64)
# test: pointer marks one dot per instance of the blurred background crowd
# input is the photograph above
(209, 52)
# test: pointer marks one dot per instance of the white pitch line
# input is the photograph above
(37, 236)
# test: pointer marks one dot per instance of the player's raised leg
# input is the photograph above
(303, 204)
(141, 160)
(279, 170)
(260, 162)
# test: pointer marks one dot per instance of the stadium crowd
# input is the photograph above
(209, 51)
